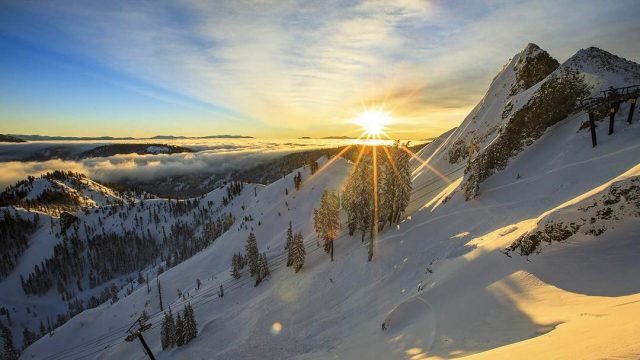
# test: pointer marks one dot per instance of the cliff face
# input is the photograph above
(482, 125)
(536, 107)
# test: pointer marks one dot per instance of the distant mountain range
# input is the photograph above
(11, 139)
(328, 137)
(170, 137)
(107, 138)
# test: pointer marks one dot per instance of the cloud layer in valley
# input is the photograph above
(212, 157)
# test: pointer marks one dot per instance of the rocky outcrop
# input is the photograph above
(591, 217)
(554, 101)
(532, 67)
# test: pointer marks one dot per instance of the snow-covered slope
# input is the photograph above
(60, 191)
(161, 220)
(441, 280)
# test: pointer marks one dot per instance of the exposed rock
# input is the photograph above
(621, 200)
(532, 67)
(66, 220)
(554, 101)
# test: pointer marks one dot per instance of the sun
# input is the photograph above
(373, 121)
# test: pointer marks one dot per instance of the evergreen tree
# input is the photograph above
(179, 330)
(28, 337)
(326, 221)
(190, 326)
(298, 252)
(404, 193)
(10, 351)
(264, 269)
(253, 255)
(167, 331)
(259, 271)
(358, 198)
(313, 166)
(395, 185)
(235, 266)
(288, 243)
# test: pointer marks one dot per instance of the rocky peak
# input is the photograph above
(532, 66)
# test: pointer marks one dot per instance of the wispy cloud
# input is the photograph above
(311, 65)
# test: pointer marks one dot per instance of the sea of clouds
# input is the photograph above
(212, 156)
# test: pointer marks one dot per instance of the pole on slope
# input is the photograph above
(631, 108)
(146, 347)
(137, 334)
(592, 126)
(612, 114)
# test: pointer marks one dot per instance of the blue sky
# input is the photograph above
(275, 69)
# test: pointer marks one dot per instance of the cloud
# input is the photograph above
(297, 66)
(215, 157)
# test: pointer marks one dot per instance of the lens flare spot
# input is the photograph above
(276, 328)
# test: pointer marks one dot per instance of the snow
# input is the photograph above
(157, 149)
(440, 280)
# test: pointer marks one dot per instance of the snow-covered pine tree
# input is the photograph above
(288, 243)
(326, 221)
(167, 331)
(240, 261)
(179, 330)
(235, 272)
(364, 196)
(259, 271)
(190, 326)
(252, 254)
(298, 252)
(403, 164)
(264, 269)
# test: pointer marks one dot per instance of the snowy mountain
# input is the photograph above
(519, 241)
(60, 191)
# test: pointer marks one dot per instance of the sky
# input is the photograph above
(279, 69)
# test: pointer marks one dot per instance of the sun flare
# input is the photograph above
(373, 121)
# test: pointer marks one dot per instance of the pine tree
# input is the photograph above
(298, 252)
(190, 326)
(326, 221)
(395, 185)
(406, 184)
(264, 270)
(288, 243)
(235, 266)
(259, 271)
(28, 337)
(167, 331)
(179, 330)
(253, 255)
(358, 198)
(10, 351)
